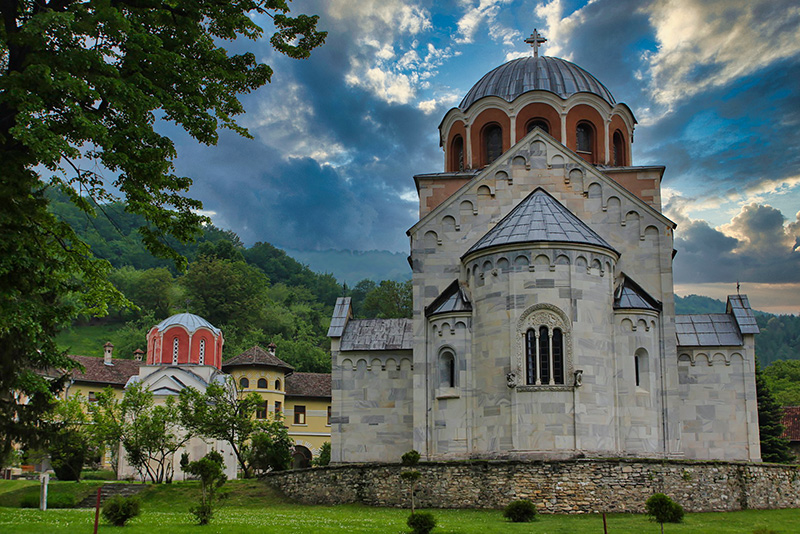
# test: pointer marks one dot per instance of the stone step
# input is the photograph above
(110, 490)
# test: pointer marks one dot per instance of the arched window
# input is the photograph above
(641, 368)
(175, 351)
(447, 369)
(457, 154)
(277, 385)
(262, 383)
(585, 137)
(244, 383)
(492, 142)
(618, 158)
(544, 356)
(202, 360)
(537, 123)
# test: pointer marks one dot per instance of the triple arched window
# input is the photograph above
(544, 356)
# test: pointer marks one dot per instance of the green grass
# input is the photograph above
(87, 340)
(15, 492)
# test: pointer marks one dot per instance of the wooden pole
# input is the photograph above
(605, 525)
(97, 511)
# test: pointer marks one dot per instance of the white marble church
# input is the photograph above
(544, 320)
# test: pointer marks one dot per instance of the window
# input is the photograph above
(244, 383)
(618, 158)
(299, 415)
(175, 351)
(262, 383)
(278, 409)
(636, 370)
(537, 123)
(92, 396)
(202, 351)
(492, 142)
(544, 356)
(277, 385)
(585, 137)
(641, 368)
(457, 154)
(447, 369)
(261, 410)
(329, 417)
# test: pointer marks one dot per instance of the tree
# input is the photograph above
(221, 413)
(81, 84)
(663, 509)
(783, 379)
(324, 457)
(70, 441)
(390, 300)
(774, 447)
(210, 469)
(271, 448)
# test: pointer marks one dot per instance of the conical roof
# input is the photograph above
(256, 356)
(539, 217)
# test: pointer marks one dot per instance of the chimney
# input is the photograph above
(108, 348)
(271, 348)
(137, 355)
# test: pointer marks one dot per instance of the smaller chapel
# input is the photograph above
(544, 321)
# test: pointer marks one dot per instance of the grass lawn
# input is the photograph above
(87, 340)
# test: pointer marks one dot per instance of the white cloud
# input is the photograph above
(704, 44)
(486, 10)
(559, 27)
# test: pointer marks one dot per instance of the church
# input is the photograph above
(544, 322)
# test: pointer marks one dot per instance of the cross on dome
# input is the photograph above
(535, 40)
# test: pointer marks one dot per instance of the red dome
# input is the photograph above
(185, 339)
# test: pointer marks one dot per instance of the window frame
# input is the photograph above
(536, 321)
(485, 152)
(531, 124)
(244, 383)
(264, 381)
(298, 420)
(592, 137)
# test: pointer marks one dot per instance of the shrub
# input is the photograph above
(100, 474)
(118, 510)
(421, 522)
(410, 458)
(663, 509)
(324, 457)
(521, 511)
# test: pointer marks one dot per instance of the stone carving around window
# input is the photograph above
(543, 323)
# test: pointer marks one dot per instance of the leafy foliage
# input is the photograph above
(421, 522)
(210, 470)
(410, 458)
(118, 510)
(663, 509)
(270, 448)
(390, 300)
(783, 379)
(70, 441)
(520, 511)
(411, 477)
(774, 447)
(324, 457)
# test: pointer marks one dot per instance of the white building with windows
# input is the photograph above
(544, 323)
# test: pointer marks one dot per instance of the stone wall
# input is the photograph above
(569, 486)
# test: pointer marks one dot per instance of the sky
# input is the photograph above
(714, 85)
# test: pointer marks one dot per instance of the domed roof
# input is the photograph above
(189, 321)
(542, 73)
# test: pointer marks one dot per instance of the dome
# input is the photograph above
(187, 320)
(543, 73)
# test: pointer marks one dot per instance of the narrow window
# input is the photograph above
(299, 415)
(262, 383)
(92, 396)
(558, 356)
(619, 149)
(244, 383)
(538, 123)
(493, 142)
(277, 385)
(457, 154)
(636, 370)
(278, 409)
(329, 416)
(585, 138)
(261, 411)
(447, 370)
(175, 351)
(544, 355)
(202, 351)
(530, 357)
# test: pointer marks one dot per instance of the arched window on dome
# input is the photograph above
(175, 345)
(538, 122)
(618, 157)
(202, 359)
(584, 134)
(544, 356)
(262, 383)
(244, 383)
(277, 385)
(457, 154)
(492, 143)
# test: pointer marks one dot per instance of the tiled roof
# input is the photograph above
(341, 312)
(739, 306)
(189, 321)
(98, 372)
(452, 299)
(791, 422)
(377, 334)
(707, 330)
(630, 295)
(539, 217)
(308, 385)
(255, 356)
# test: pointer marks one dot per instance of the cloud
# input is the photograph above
(485, 10)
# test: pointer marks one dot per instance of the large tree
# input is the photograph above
(774, 447)
(81, 85)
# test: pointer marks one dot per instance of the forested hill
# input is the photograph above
(780, 334)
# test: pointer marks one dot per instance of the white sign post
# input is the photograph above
(44, 478)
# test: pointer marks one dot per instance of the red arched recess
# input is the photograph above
(167, 344)
(538, 110)
(486, 117)
(617, 124)
(584, 113)
(210, 349)
(458, 129)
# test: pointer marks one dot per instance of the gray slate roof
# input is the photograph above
(630, 296)
(452, 299)
(707, 330)
(256, 356)
(377, 334)
(341, 312)
(739, 306)
(539, 217)
(189, 321)
(544, 73)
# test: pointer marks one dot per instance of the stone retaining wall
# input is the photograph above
(568, 486)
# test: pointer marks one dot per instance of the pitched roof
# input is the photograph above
(308, 385)
(707, 330)
(256, 356)
(539, 217)
(341, 313)
(452, 299)
(189, 321)
(739, 306)
(630, 296)
(377, 334)
(98, 372)
(791, 422)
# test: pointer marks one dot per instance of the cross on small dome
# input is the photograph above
(535, 40)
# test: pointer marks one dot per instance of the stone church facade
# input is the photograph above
(544, 322)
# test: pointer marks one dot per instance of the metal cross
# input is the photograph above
(535, 40)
